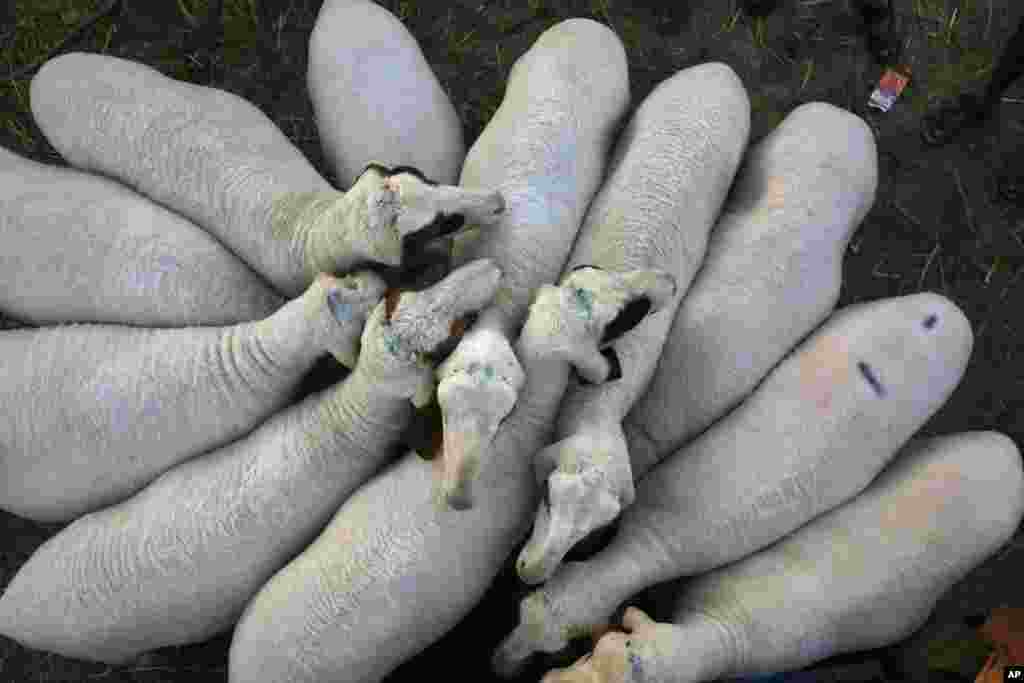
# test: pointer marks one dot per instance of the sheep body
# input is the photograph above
(177, 562)
(403, 573)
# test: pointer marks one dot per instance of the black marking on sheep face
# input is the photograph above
(411, 170)
(423, 251)
(379, 168)
(439, 353)
(396, 170)
(594, 542)
(631, 315)
(869, 376)
(424, 433)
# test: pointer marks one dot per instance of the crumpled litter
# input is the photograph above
(1004, 631)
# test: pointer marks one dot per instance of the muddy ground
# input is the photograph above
(936, 224)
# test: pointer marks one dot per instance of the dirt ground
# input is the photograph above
(936, 224)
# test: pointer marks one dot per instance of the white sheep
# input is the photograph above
(671, 171)
(178, 561)
(396, 567)
(135, 402)
(222, 163)
(839, 407)
(96, 412)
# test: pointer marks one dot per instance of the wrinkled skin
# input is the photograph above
(770, 276)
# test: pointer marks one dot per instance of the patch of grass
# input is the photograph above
(949, 80)
(21, 132)
(948, 34)
(499, 59)
(459, 45)
(406, 10)
(601, 9)
(930, 9)
(757, 31)
(489, 104)
(974, 64)
(241, 26)
(763, 106)
(729, 24)
(190, 9)
(947, 26)
(808, 73)
(40, 26)
(633, 37)
(503, 22)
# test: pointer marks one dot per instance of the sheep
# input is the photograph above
(829, 405)
(137, 385)
(114, 257)
(539, 151)
(96, 412)
(178, 561)
(219, 161)
(680, 149)
(828, 588)
(261, 498)
(397, 566)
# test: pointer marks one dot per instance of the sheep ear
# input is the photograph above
(376, 166)
(412, 170)
(629, 317)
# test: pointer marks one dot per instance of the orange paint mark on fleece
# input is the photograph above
(824, 366)
(776, 192)
(924, 498)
